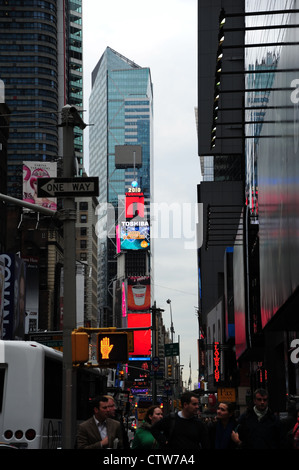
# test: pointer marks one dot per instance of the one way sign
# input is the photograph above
(67, 187)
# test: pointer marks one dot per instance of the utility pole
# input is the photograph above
(69, 119)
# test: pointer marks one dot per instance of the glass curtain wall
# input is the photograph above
(271, 116)
(121, 110)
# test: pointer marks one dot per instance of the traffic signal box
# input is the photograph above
(169, 367)
(80, 347)
(112, 348)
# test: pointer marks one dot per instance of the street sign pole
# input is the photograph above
(70, 118)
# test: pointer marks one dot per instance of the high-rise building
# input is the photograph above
(248, 110)
(121, 155)
(86, 255)
(4, 130)
(41, 69)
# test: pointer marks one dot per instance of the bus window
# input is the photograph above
(2, 376)
(52, 389)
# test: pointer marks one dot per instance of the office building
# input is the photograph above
(41, 69)
(86, 255)
(121, 155)
(248, 109)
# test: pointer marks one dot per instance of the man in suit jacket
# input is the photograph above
(100, 431)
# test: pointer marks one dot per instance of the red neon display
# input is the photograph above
(142, 338)
(216, 361)
(134, 205)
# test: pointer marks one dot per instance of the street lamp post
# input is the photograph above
(171, 323)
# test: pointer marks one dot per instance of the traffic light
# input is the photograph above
(169, 367)
(112, 347)
(80, 347)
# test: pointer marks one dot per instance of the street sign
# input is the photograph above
(67, 187)
(172, 349)
(226, 394)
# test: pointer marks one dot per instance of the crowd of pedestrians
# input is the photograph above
(257, 428)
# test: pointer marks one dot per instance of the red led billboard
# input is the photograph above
(142, 338)
(134, 205)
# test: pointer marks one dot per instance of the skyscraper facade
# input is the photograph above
(248, 81)
(121, 117)
(41, 67)
(41, 70)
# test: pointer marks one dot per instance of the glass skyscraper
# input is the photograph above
(121, 114)
(41, 67)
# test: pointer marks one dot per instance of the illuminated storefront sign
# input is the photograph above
(216, 361)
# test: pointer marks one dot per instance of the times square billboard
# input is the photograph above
(132, 302)
(133, 230)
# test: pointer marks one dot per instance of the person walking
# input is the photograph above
(99, 431)
(143, 438)
(220, 431)
(183, 430)
(258, 427)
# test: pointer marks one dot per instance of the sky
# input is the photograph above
(161, 35)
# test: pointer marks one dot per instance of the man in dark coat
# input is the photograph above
(100, 431)
(259, 428)
(183, 430)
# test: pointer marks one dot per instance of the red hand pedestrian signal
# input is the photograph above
(106, 347)
(112, 348)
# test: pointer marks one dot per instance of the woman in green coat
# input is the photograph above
(143, 437)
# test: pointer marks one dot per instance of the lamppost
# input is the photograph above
(171, 324)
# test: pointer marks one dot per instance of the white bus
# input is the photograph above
(31, 394)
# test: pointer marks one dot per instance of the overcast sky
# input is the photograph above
(161, 35)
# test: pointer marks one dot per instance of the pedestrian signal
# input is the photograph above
(112, 348)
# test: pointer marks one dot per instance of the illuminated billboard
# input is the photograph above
(134, 205)
(142, 338)
(31, 172)
(139, 293)
(133, 232)
(134, 235)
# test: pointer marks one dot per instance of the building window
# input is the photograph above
(83, 244)
(83, 206)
